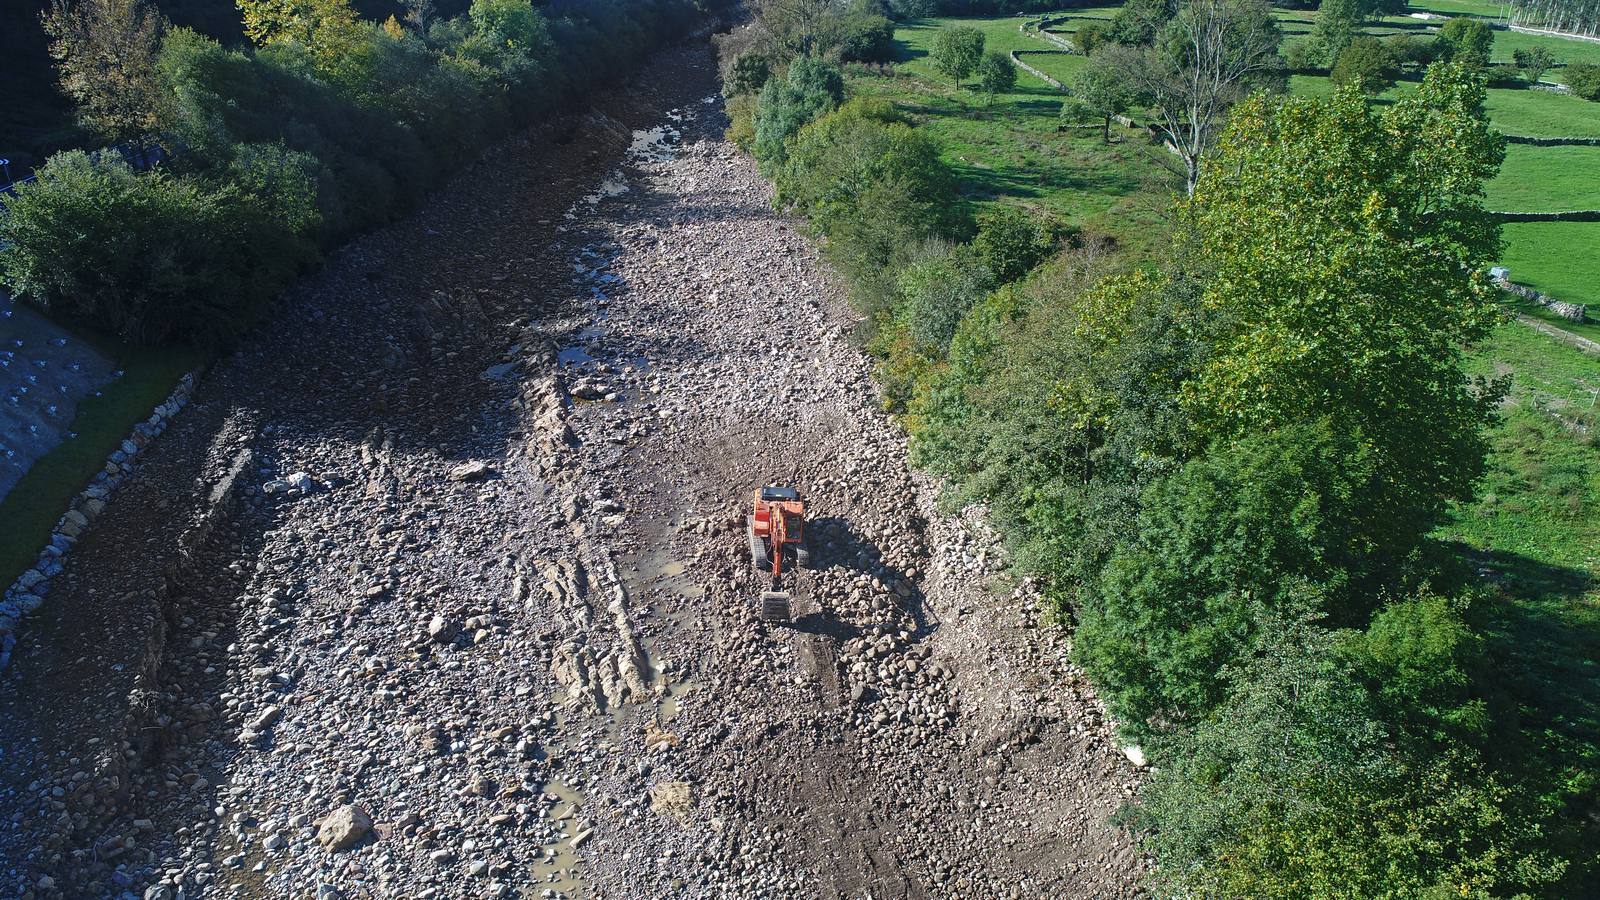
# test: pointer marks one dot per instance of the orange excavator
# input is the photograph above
(777, 532)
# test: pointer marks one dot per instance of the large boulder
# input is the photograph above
(343, 828)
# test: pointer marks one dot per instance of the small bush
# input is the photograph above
(866, 38)
(748, 74)
(1366, 64)
(1410, 50)
(1506, 75)
(742, 121)
(1584, 79)
(1011, 242)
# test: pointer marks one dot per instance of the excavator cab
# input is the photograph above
(776, 529)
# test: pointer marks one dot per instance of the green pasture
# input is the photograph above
(1559, 258)
(1547, 179)
(1013, 151)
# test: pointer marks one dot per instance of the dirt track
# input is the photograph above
(511, 613)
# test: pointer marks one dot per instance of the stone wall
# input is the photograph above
(28, 591)
(1572, 312)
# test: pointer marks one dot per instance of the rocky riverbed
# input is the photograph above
(484, 621)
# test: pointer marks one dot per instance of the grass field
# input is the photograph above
(1538, 507)
(32, 507)
(1558, 258)
(1547, 179)
(1060, 66)
(1543, 114)
(1012, 151)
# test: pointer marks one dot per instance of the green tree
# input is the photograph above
(1343, 248)
(1276, 521)
(1298, 787)
(1534, 62)
(105, 53)
(1584, 79)
(1088, 36)
(1465, 39)
(1011, 241)
(1366, 65)
(957, 50)
(1338, 23)
(996, 74)
(151, 258)
(1104, 92)
(747, 75)
(1139, 21)
(810, 88)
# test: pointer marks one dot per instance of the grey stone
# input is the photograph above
(343, 827)
(475, 470)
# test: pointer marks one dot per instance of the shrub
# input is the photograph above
(742, 121)
(150, 258)
(1410, 50)
(1011, 242)
(1089, 36)
(1584, 79)
(936, 292)
(866, 38)
(1366, 64)
(747, 75)
(810, 88)
(1505, 75)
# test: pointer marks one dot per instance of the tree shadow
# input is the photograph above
(1543, 636)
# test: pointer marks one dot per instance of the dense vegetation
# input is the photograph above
(1232, 461)
(330, 125)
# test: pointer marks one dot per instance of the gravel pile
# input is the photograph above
(486, 623)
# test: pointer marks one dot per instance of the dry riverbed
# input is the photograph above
(484, 623)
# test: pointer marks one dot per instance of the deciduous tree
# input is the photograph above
(957, 50)
(1343, 248)
(1534, 62)
(1104, 91)
(1468, 40)
(105, 53)
(1366, 64)
(996, 74)
(1210, 56)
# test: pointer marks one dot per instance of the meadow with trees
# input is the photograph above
(1320, 517)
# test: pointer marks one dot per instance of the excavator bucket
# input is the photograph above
(775, 606)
